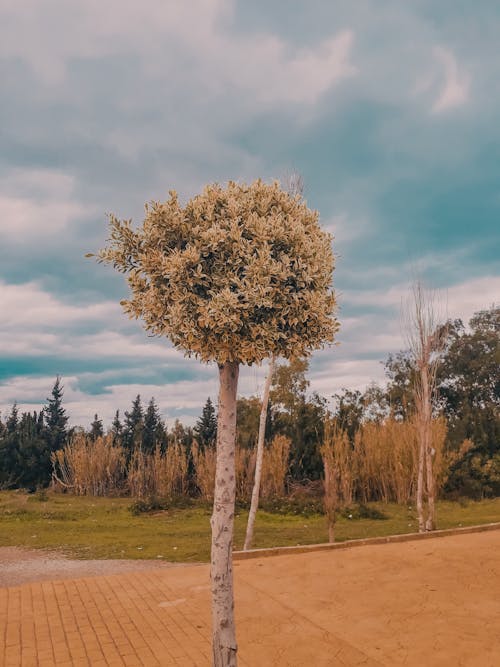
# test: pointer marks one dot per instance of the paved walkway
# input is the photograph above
(431, 603)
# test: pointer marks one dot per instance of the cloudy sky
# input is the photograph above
(389, 110)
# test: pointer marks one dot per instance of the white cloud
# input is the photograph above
(35, 203)
(29, 305)
(456, 85)
(174, 40)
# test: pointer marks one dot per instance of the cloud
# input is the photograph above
(36, 204)
(107, 105)
(163, 35)
(456, 85)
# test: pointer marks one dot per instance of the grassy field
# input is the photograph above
(86, 527)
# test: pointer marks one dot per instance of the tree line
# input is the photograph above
(467, 394)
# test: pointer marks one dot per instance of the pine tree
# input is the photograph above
(134, 425)
(117, 429)
(9, 451)
(154, 431)
(96, 428)
(205, 429)
(56, 418)
(34, 453)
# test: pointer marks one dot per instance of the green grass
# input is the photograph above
(105, 528)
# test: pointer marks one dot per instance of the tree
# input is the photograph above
(348, 412)
(238, 274)
(248, 414)
(56, 418)
(154, 431)
(468, 386)
(96, 428)
(205, 430)
(425, 344)
(134, 426)
(117, 429)
(9, 451)
(468, 394)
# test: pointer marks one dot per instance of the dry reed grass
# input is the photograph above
(386, 459)
(160, 474)
(275, 467)
(87, 467)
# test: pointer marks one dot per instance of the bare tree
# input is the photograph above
(425, 341)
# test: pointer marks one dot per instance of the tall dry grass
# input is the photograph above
(89, 468)
(161, 474)
(274, 470)
(381, 464)
(275, 467)
(338, 463)
(204, 461)
(245, 470)
(385, 459)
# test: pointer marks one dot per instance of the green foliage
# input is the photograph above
(96, 428)
(56, 418)
(145, 506)
(25, 448)
(468, 393)
(117, 429)
(155, 504)
(238, 274)
(133, 428)
(363, 511)
(205, 430)
(154, 430)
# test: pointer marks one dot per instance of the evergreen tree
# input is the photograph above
(34, 452)
(134, 425)
(96, 428)
(9, 451)
(154, 431)
(205, 430)
(117, 429)
(56, 418)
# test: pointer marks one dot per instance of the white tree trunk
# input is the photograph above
(224, 633)
(260, 455)
(430, 521)
(420, 473)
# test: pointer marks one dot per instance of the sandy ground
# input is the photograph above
(20, 566)
(432, 603)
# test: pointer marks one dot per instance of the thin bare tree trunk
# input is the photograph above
(260, 455)
(420, 480)
(329, 500)
(224, 633)
(427, 424)
(426, 342)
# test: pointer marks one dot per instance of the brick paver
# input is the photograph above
(430, 603)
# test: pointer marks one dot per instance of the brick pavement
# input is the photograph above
(434, 602)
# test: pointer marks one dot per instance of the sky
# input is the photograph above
(388, 110)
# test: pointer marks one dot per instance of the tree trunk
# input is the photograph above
(420, 472)
(427, 433)
(224, 633)
(260, 455)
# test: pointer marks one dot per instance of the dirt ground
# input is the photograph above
(428, 603)
(20, 566)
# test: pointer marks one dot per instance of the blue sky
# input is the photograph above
(389, 110)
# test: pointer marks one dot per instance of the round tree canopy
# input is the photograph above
(240, 273)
